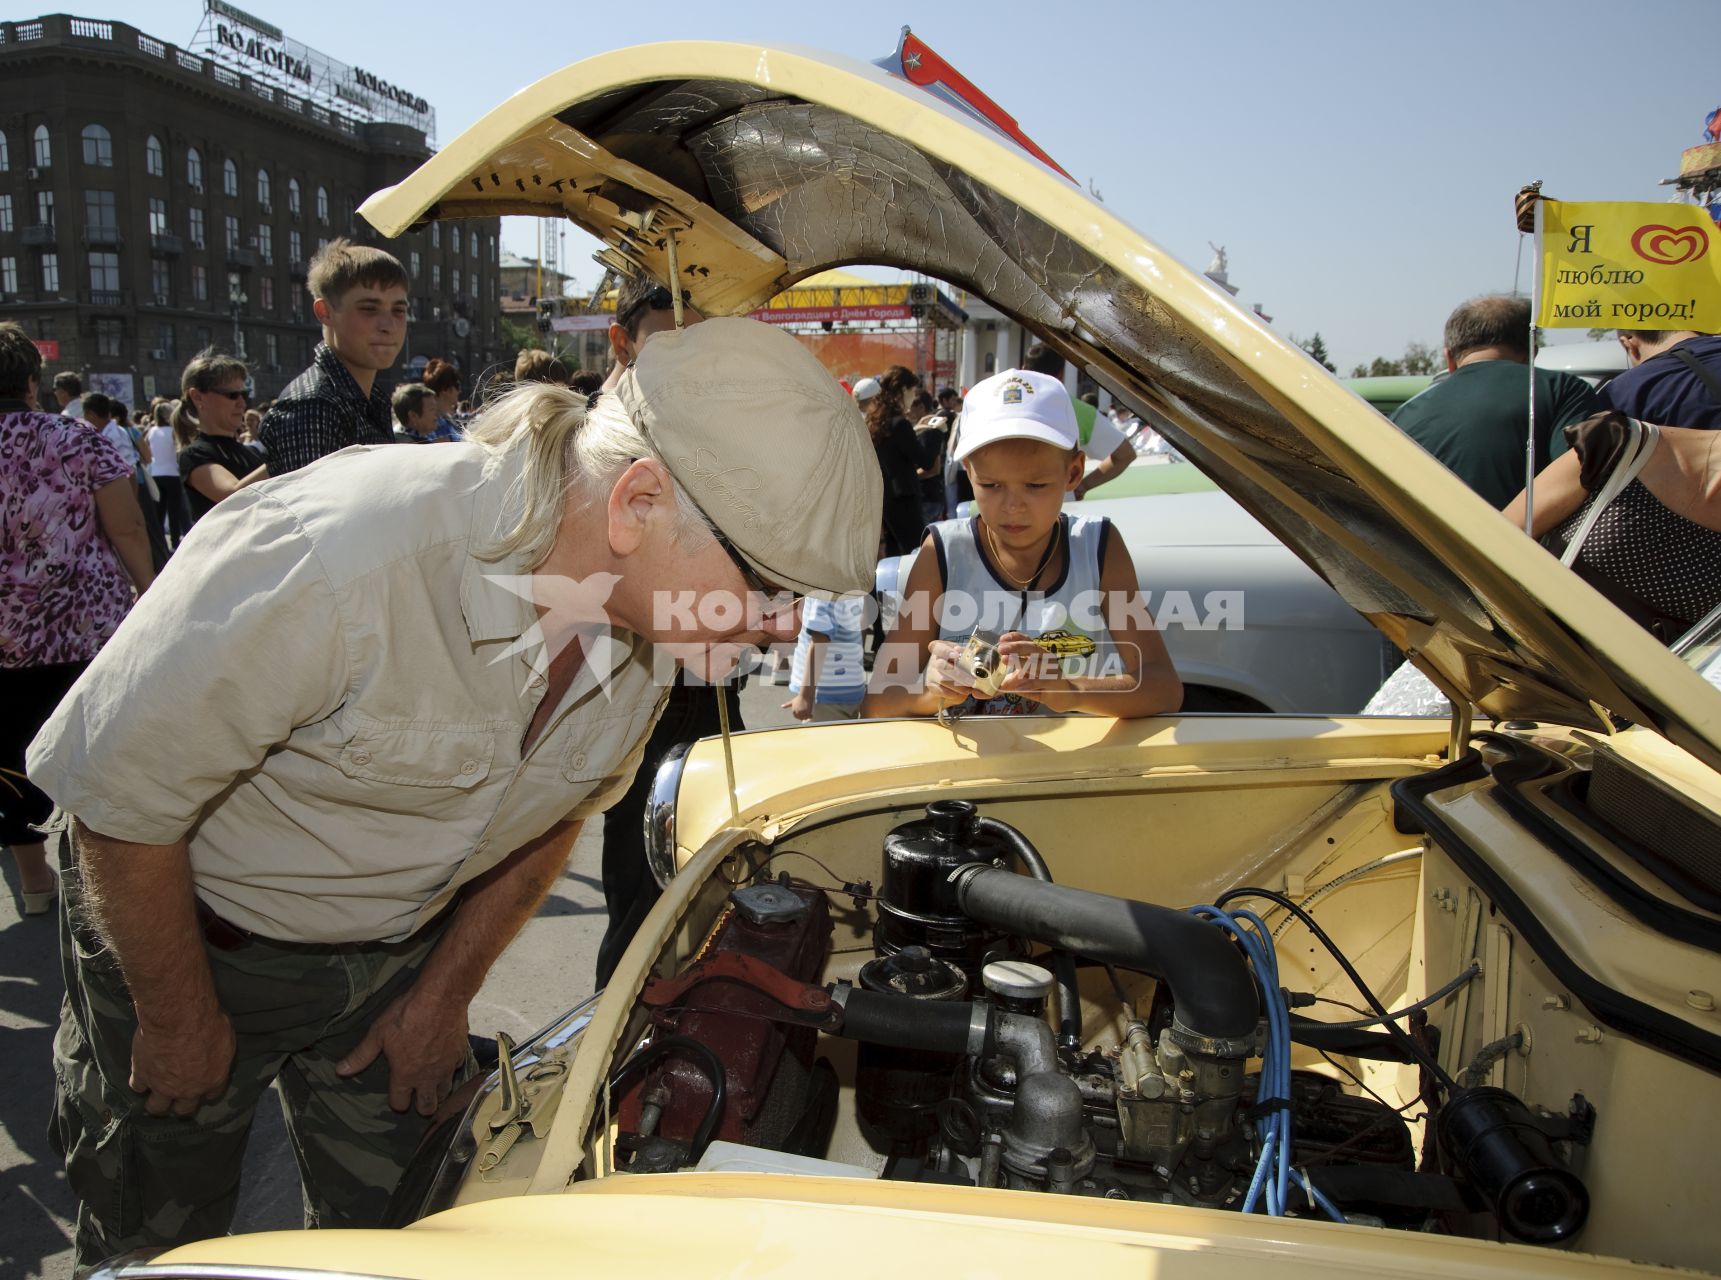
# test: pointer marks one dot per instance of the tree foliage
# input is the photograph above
(1419, 360)
(1317, 349)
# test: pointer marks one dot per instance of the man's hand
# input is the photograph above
(800, 706)
(424, 1039)
(179, 1068)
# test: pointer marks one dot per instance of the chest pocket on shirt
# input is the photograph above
(419, 755)
(600, 747)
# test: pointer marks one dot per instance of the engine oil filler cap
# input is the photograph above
(767, 904)
(1017, 980)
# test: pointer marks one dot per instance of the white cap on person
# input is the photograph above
(866, 389)
(768, 444)
(1017, 404)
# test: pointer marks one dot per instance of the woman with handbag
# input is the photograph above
(1635, 510)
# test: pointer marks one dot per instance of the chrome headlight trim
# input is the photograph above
(660, 814)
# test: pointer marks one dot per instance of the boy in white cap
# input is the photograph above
(1022, 608)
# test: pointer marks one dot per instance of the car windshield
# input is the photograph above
(1701, 647)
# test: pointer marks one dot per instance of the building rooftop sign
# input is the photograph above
(246, 43)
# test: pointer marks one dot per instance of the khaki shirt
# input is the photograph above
(327, 695)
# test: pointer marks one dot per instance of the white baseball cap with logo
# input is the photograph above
(768, 444)
(1017, 404)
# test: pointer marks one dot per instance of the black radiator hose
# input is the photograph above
(1063, 962)
(1208, 976)
(902, 1022)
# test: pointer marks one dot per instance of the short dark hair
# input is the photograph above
(1651, 336)
(585, 381)
(341, 265)
(409, 398)
(98, 404)
(945, 393)
(1493, 320)
(70, 383)
(441, 376)
(1040, 358)
(639, 294)
(20, 360)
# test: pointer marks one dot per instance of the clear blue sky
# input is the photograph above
(1357, 158)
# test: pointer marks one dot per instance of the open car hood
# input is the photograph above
(769, 164)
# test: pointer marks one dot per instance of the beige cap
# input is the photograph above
(769, 445)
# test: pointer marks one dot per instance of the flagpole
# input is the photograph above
(1530, 442)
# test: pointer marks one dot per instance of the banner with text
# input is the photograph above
(1629, 266)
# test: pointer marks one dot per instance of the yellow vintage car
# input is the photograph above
(1198, 996)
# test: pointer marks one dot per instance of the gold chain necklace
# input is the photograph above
(1045, 559)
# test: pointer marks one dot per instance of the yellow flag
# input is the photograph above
(1629, 266)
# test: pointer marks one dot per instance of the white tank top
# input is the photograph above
(977, 597)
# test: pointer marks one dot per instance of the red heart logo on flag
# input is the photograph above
(1669, 246)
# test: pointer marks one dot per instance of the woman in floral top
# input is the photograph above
(72, 548)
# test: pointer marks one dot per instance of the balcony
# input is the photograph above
(97, 233)
(105, 298)
(40, 237)
(166, 246)
(244, 259)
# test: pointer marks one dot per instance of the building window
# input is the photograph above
(323, 205)
(265, 191)
(157, 216)
(495, 253)
(296, 307)
(454, 282)
(454, 239)
(200, 285)
(229, 179)
(436, 235)
(198, 239)
(271, 351)
(293, 197)
(50, 273)
(5, 153)
(266, 294)
(108, 336)
(472, 245)
(322, 243)
(413, 256)
(41, 150)
(44, 208)
(6, 213)
(202, 332)
(161, 281)
(154, 158)
(164, 335)
(436, 277)
(98, 146)
(8, 276)
(231, 224)
(194, 169)
(104, 272)
(266, 242)
(100, 212)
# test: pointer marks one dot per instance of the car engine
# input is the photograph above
(969, 1065)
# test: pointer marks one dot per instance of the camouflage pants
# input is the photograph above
(145, 1180)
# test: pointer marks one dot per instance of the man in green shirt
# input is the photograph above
(1475, 420)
